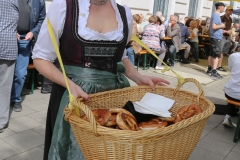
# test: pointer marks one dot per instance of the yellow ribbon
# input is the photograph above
(167, 68)
(55, 45)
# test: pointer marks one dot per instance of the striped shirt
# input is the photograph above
(152, 34)
(9, 13)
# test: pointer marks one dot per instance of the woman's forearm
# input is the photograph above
(130, 72)
(50, 71)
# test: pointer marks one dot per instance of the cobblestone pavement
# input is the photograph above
(24, 138)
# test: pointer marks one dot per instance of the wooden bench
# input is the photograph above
(31, 70)
(237, 132)
(183, 48)
(139, 54)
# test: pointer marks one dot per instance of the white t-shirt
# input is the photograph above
(57, 14)
(232, 87)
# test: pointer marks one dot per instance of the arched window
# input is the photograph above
(161, 5)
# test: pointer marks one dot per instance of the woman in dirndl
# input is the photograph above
(92, 36)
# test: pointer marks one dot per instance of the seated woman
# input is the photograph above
(232, 88)
(193, 41)
(151, 37)
(132, 46)
(204, 28)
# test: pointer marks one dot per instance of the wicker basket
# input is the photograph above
(173, 142)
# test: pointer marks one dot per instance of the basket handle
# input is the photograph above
(80, 105)
(201, 91)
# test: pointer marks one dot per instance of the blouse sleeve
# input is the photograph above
(130, 23)
(43, 48)
(162, 31)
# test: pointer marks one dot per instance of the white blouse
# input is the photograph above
(43, 48)
(232, 86)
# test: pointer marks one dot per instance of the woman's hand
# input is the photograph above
(77, 91)
(151, 81)
(132, 74)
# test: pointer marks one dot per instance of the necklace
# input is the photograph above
(98, 2)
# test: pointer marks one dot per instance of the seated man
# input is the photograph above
(232, 87)
(174, 31)
(184, 35)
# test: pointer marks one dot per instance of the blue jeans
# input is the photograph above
(20, 72)
(131, 54)
(172, 51)
(194, 46)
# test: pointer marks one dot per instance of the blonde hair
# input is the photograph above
(136, 18)
(194, 23)
(152, 19)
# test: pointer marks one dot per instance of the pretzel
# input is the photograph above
(120, 110)
(152, 124)
(170, 120)
(126, 122)
(187, 112)
(111, 121)
(100, 115)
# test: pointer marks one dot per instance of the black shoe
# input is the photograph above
(17, 107)
(209, 72)
(221, 69)
(197, 61)
(2, 129)
(185, 61)
(216, 75)
(46, 90)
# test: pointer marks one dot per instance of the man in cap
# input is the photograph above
(216, 35)
(227, 31)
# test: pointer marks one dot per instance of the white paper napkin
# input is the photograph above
(154, 104)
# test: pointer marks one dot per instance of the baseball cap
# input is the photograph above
(219, 4)
(229, 8)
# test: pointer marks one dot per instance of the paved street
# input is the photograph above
(24, 138)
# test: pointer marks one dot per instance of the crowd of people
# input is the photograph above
(186, 36)
(80, 37)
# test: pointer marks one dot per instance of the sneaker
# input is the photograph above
(2, 129)
(17, 107)
(221, 69)
(46, 90)
(159, 67)
(227, 122)
(216, 75)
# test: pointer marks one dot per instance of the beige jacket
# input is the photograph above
(136, 47)
(175, 33)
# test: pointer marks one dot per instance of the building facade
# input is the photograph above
(185, 8)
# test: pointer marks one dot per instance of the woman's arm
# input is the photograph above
(192, 35)
(49, 70)
(44, 53)
(139, 79)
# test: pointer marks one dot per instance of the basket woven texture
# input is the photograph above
(173, 142)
